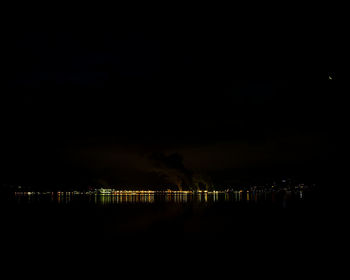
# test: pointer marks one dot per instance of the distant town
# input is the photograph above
(283, 185)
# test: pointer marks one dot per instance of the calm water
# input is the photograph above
(155, 215)
(235, 224)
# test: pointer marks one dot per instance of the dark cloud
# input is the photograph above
(172, 168)
(174, 171)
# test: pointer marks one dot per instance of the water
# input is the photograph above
(184, 228)
(154, 215)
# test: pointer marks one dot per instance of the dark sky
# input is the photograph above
(127, 102)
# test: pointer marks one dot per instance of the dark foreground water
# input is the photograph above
(213, 216)
(208, 233)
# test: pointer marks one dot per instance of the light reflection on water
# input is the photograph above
(249, 197)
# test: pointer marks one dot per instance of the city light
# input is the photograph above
(111, 195)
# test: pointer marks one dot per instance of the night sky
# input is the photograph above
(127, 102)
